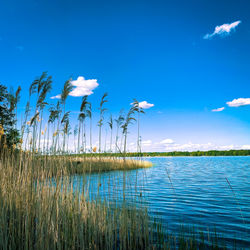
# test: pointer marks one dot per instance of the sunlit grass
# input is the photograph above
(102, 164)
(37, 212)
(40, 209)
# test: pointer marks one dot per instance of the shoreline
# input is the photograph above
(170, 154)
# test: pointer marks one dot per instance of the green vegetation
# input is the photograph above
(8, 108)
(177, 153)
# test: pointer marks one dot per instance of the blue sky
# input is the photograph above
(153, 51)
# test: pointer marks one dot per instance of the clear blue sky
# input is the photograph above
(153, 51)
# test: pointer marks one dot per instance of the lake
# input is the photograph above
(207, 193)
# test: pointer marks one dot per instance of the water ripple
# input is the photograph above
(204, 192)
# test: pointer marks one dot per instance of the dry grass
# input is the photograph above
(70, 165)
(101, 164)
(38, 213)
(41, 212)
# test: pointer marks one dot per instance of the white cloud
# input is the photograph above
(202, 147)
(146, 143)
(245, 147)
(218, 109)
(56, 97)
(227, 147)
(167, 141)
(83, 87)
(150, 146)
(189, 147)
(145, 105)
(223, 29)
(239, 102)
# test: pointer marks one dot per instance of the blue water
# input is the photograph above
(207, 193)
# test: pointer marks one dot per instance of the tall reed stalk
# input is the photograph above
(41, 210)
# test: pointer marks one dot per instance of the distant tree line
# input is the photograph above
(183, 153)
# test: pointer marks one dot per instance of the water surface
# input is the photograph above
(206, 193)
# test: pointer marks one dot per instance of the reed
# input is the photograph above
(40, 209)
(41, 212)
(70, 165)
(103, 164)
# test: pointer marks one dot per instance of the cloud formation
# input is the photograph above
(145, 105)
(239, 102)
(167, 141)
(56, 97)
(168, 145)
(223, 30)
(151, 146)
(188, 147)
(146, 143)
(218, 109)
(200, 146)
(83, 87)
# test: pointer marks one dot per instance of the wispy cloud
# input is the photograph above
(146, 143)
(202, 146)
(223, 30)
(218, 109)
(167, 141)
(188, 146)
(168, 145)
(145, 105)
(239, 102)
(83, 87)
(56, 97)
(227, 147)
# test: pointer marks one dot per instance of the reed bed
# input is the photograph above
(46, 213)
(40, 209)
(102, 164)
(70, 165)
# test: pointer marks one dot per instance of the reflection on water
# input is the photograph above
(200, 192)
